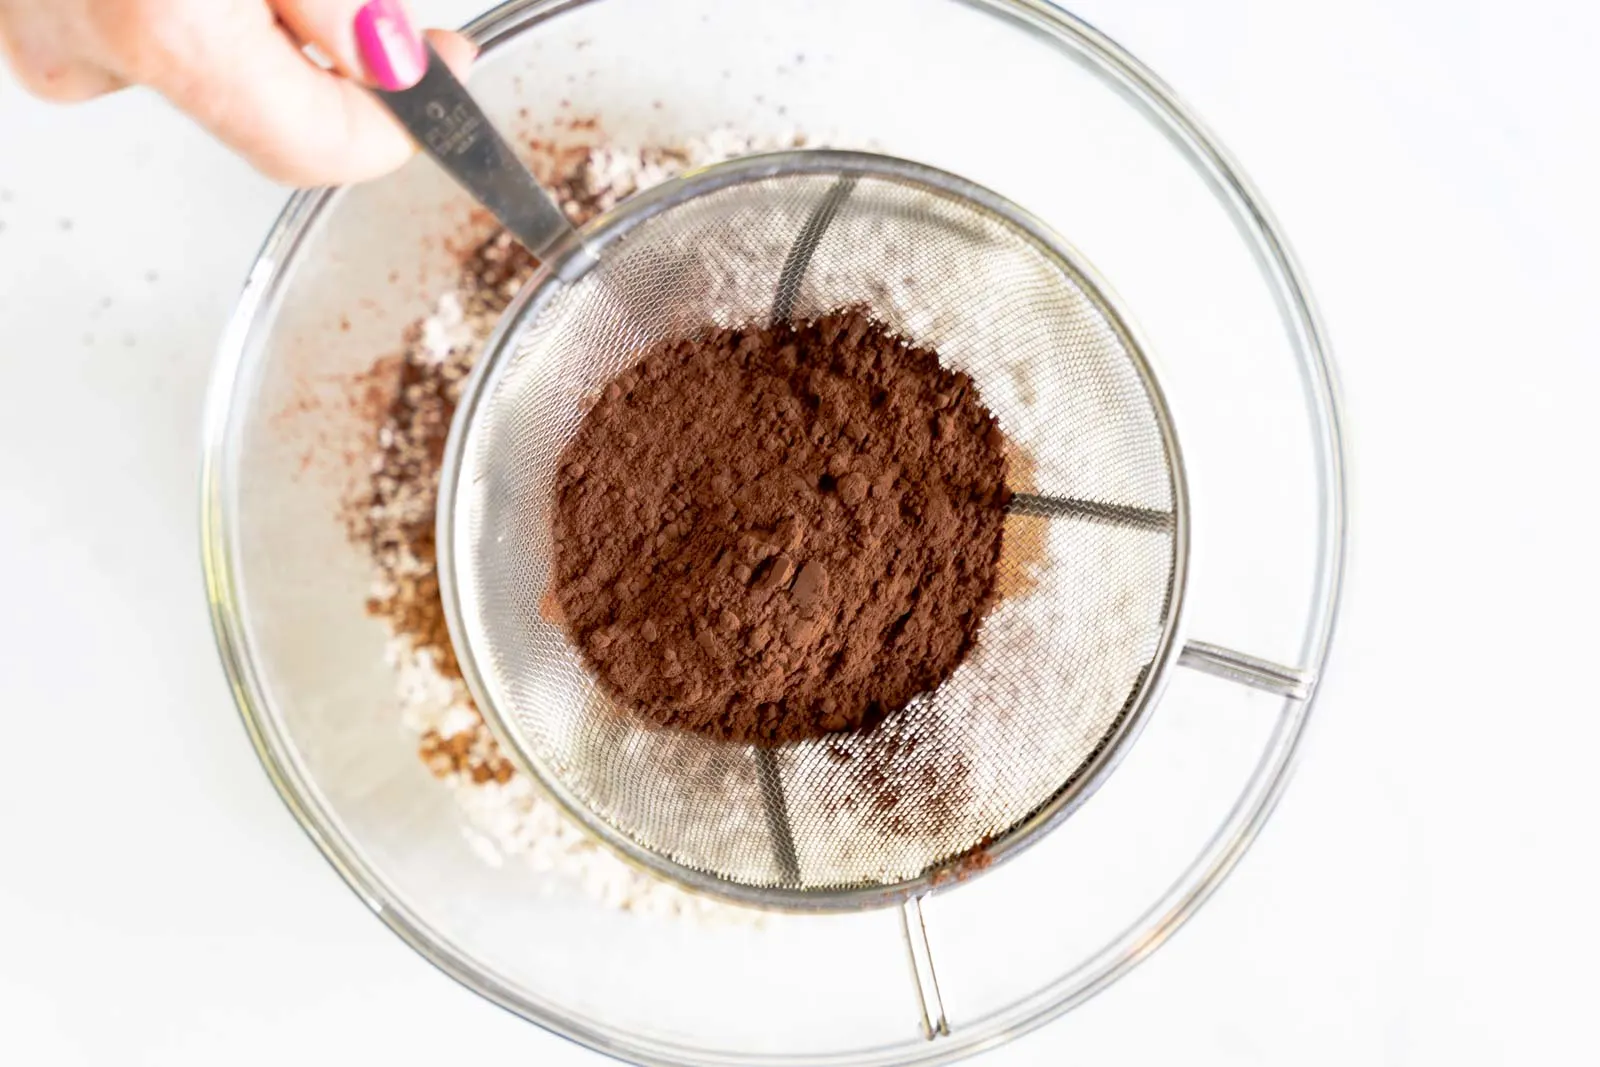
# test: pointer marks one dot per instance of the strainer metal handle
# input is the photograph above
(449, 125)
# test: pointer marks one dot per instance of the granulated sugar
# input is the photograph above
(508, 818)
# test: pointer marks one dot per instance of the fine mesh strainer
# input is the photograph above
(1091, 576)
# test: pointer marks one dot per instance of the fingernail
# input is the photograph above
(390, 49)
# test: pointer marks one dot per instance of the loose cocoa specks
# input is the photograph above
(408, 398)
(773, 533)
(395, 513)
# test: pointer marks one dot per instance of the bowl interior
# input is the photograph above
(1037, 115)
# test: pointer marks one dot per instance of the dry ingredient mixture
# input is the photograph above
(392, 516)
(774, 533)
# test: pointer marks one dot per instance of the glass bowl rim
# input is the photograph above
(1194, 885)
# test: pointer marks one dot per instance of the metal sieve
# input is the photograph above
(1095, 544)
(1091, 573)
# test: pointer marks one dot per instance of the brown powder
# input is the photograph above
(407, 400)
(471, 753)
(385, 429)
(1026, 545)
(396, 514)
(773, 533)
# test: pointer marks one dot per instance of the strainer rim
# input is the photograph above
(570, 264)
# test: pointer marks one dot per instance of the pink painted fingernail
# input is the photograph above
(391, 50)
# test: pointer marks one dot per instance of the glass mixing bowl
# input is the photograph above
(1013, 94)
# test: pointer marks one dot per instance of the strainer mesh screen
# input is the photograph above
(1083, 605)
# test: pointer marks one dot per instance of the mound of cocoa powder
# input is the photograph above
(772, 533)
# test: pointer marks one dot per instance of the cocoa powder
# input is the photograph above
(772, 533)
(395, 512)
(389, 478)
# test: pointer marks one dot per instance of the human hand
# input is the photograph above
(240, 68)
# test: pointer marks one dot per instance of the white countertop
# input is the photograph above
(1424, 893)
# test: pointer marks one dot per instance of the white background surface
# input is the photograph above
(1425, 893)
